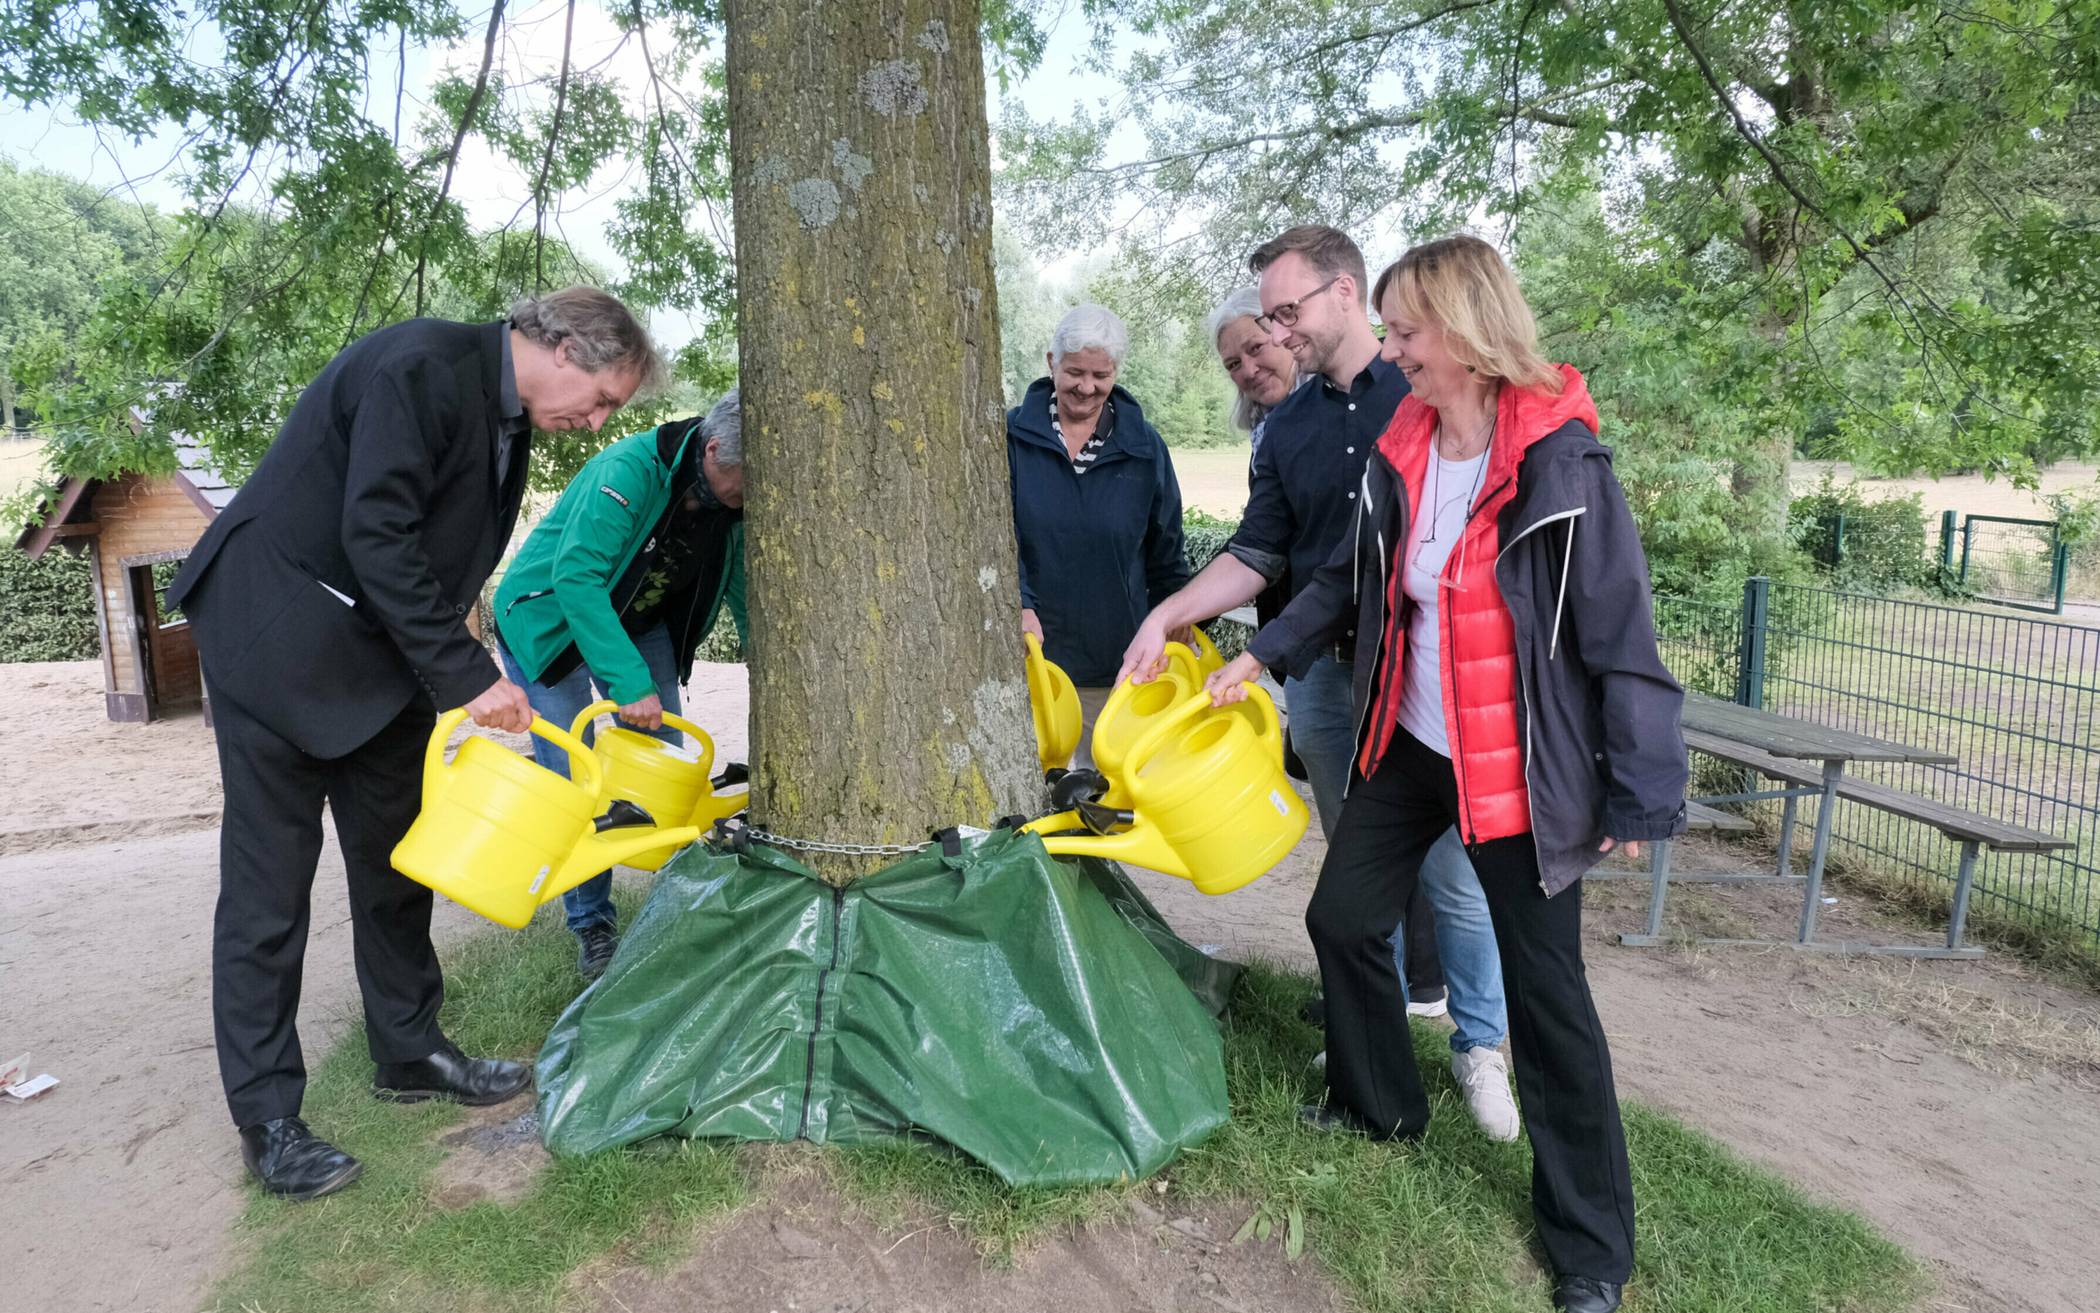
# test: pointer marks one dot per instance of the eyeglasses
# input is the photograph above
(1287, 313)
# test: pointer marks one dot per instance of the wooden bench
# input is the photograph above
(1974, 831)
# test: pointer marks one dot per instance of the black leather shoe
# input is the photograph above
(450, 1074)
(594, 951)
(1586, 1295)
(1323, 1117)
(292, 1161)
(1340, 1121)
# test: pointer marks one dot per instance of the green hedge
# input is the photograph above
(1863, 542)
(47, 607)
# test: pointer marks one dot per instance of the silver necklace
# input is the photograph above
(1436, 465)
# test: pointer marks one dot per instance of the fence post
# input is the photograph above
(1946, 544)
(2059, 566)
(1837, 542)
(1750, 650)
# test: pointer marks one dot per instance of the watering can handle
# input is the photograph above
(1151, 740)
(1038, 667)
(582, 761)
(1116, 698)
(434, 755)
(671, 718)
(1272, 733)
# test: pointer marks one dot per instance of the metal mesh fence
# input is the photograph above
(2014, 699)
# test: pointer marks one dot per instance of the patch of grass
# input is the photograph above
(1980, 1029)
(385, 1243)
(1442, 1224)
(1445, 1224)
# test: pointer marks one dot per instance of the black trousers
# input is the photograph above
(1581, 1193)
(268, 847)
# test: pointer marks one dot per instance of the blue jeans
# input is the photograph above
(590, 903)
(1323, 730)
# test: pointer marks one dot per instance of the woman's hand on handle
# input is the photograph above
(1228, 685)
(1031, 625)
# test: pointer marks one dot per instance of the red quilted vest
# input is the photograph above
(1479, 675)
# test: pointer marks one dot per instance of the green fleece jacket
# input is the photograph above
(562, 598)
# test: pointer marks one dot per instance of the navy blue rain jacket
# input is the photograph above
(1098, 550)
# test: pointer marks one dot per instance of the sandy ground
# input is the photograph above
(1957, 1105)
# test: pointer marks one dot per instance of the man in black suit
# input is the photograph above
(329, 603)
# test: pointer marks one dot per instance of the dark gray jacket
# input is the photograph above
(1598, 712)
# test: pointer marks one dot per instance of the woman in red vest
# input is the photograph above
(1507, 681)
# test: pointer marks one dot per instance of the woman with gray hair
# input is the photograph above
(1262, 372)
(1097, 510)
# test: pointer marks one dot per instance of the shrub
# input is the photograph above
(1863, 542)
(47, 607)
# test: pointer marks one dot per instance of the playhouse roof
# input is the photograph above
(73, 502)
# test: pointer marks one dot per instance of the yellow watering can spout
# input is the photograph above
(1207, 798)
(601, 852)
(653, 775)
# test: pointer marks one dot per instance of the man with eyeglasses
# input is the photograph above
(1301, 506)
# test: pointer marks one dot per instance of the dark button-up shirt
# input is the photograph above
(511, 423)
(1304, 485)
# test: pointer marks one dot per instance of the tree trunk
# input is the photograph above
(1760, 479)
(887, 692)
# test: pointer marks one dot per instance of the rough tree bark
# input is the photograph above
(887, 691)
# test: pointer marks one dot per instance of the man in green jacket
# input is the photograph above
(614, 590)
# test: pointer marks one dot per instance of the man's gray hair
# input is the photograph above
(1240, 303)
(724, 426)
(602, 333)
(1087, 327)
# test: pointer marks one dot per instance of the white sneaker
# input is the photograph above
(1435, 1009)
(1484, 1077)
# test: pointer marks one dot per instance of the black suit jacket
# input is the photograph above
(337, 584)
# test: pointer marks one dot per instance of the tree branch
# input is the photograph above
(1530, 113)
(539, 189)
(1778, 171)
(1388, 33)
(459, 139)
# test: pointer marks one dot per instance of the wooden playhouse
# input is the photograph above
(137, 529)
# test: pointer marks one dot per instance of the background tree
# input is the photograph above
(1912, 181)
(321, 179)
(888, 697)
(65, 241)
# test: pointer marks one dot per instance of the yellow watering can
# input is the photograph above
(1056, 705)
(500, 834)
(671, 785)
(1209, 801)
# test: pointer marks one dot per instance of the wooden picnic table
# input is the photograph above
(1791, 736)
(1770, 742)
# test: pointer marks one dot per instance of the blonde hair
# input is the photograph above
(1461, 285)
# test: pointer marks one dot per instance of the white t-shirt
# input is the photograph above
(1433, 536)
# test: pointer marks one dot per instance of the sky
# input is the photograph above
(489, 188)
